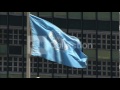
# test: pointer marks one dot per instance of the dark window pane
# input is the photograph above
(17, 50)
(5, 63)
(64, 71)
(50, 70)
(15, 31)
(20, 64)
(0, 63)
(104, 68)
(89, 62)
(74, 71)
(45, 65)
(60, 65)
(89, 72)
(94, 36)
(60, 71)
(79, 72)
(104, 73)
(15, 63)
(15, 37)
(89, 67)
(79, 35)
(89, 35)
(45, 70)
(55, 70)
(94, 67)
(15, 69)
(104, 41)
(108, 36)
(10, 63)
(104, 36)
(94, 41)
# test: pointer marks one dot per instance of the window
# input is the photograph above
(74, 71)
(15, 37)
(45, 14)
(89, 41)
(35, 70)
(94, 41)
(94, 62)
(60, 14)
(10, 63)
(60, 71)
(10, 68)
(115, 16)
(89, 72)
(15, 69)
(94, 67)
(74, 15)
(5, 69)
(109, 73)
(15, 63)
(55, 65)
(5, 63)
(0, 69)
(55, 70)
(60, 65)
(104, 63)
(104, 36)
(45, 65)
(15, 31)
(113, 42)
(104, 73)
(108, 42)
(94, 72)
(0, 63)
(50, 70)
(99, 68)
(94, 36)
(113, 37)
(104, 68)
(99, 36)
(89, 35)
(108, 36)
(99, 41)
(74, 34)
(17, 50)
(64, 71)
(108, 46)
(0, 30)
(20, 64)
(89, 15)
(104, 41)
(104, 16)
(89, 62)
(89, 67)
(3, 49)
(45, 70)
(79, 35)
(0, 58)
(99, 73)
(20, 69)
(79, 72)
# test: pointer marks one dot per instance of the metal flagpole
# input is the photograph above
(28, 48)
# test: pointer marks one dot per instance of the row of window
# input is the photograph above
(35, 70)
(74, 15)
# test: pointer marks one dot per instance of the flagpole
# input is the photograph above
(28, 48)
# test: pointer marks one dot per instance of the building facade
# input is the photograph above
(83, 25)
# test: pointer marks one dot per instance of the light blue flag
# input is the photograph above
(51, 43)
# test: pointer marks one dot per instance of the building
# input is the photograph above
(80, 24)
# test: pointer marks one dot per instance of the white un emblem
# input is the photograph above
(58, 43)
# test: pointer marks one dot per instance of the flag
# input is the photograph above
(51, 43)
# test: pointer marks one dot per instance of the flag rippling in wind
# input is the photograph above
(51, 43)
